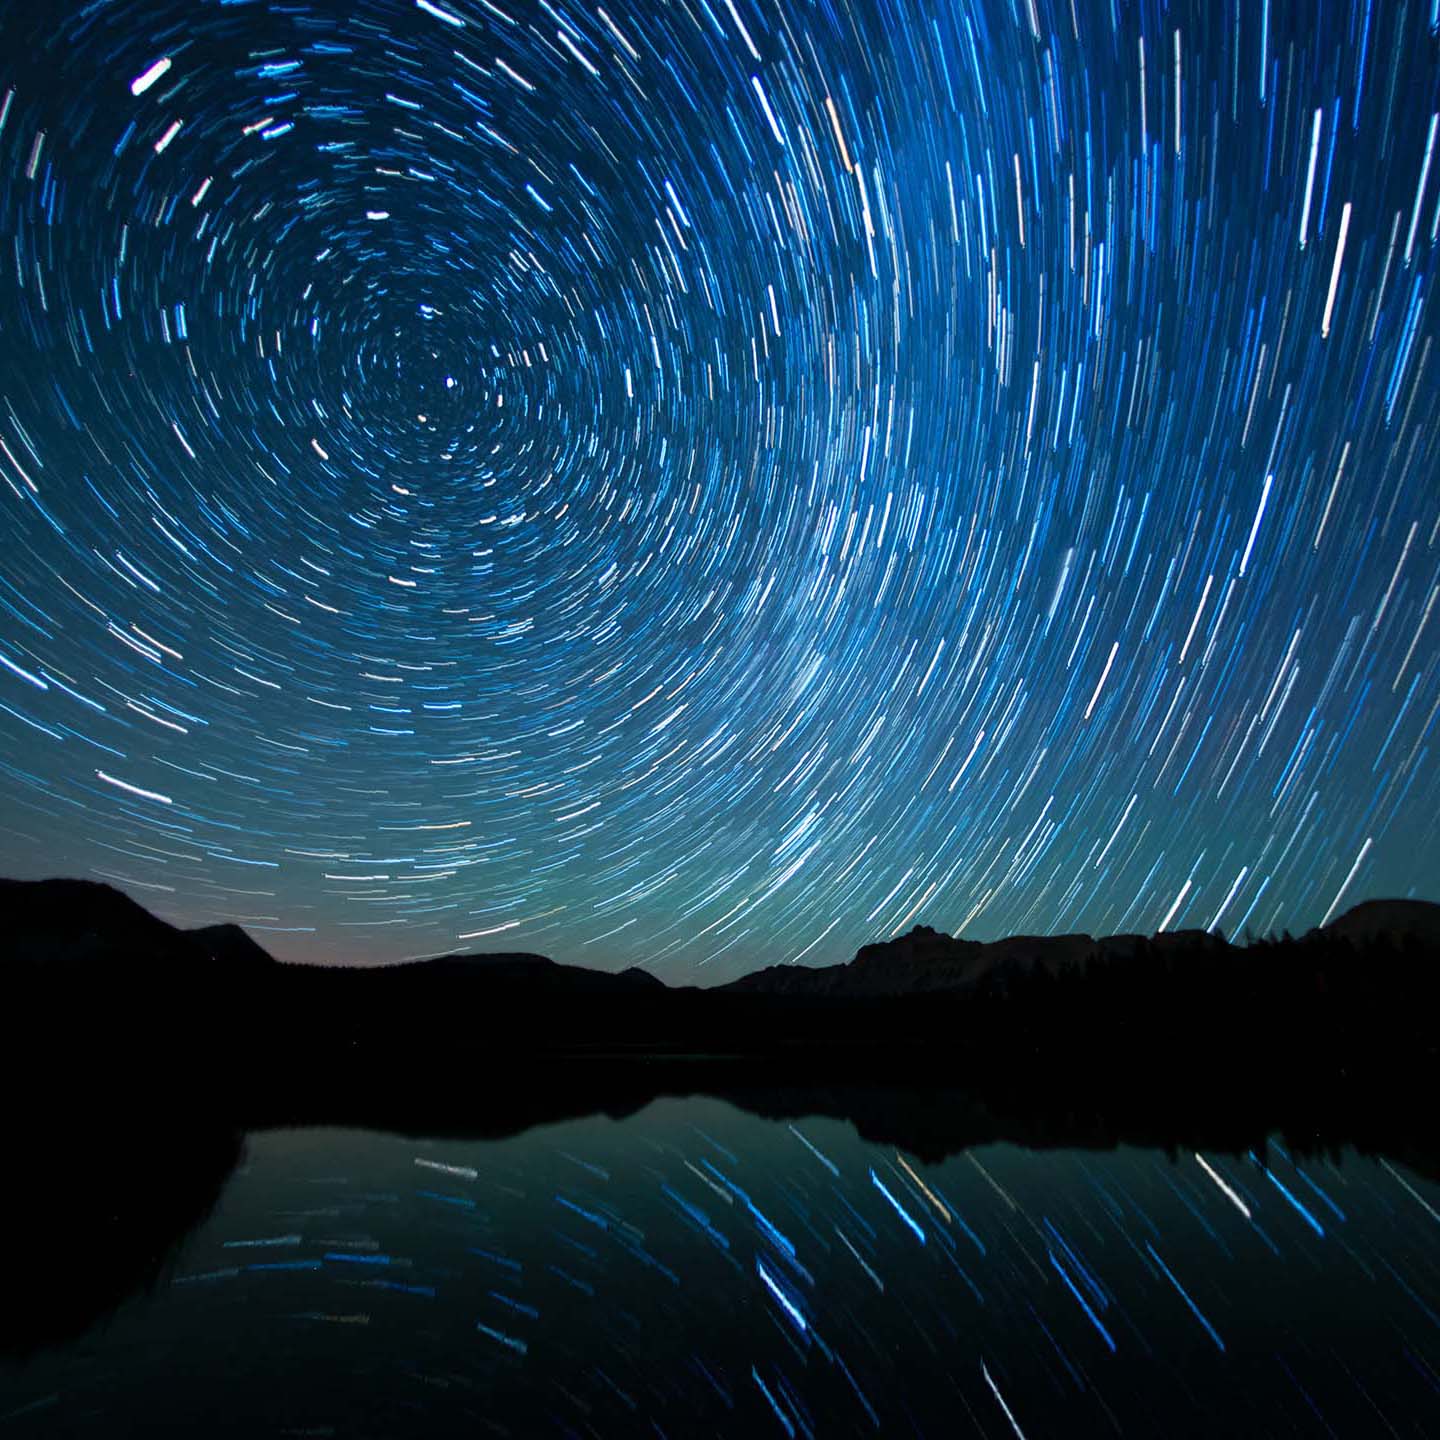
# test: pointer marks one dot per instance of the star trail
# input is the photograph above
(710, 483)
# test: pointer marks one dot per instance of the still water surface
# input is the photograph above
(693, 1270)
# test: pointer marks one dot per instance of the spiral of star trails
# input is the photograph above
(708, 485)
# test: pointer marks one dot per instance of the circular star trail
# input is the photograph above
(709, 483)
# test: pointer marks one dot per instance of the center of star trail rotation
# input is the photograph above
(710, 483)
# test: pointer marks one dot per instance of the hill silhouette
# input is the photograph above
(536, 973)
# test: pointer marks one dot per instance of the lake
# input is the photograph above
(695, 1270)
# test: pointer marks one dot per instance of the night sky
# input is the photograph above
(706, 483)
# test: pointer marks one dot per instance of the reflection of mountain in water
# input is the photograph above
(929, 1119)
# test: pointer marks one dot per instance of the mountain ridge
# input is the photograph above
(71, 920)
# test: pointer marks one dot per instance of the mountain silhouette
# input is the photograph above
(63, 921)
(926, 960)
(1392, 920)
(57, 924)
(85, 922)
(229, 944)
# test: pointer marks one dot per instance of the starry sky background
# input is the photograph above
(706, 483)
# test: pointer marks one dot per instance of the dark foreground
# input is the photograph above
(135, 1063)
